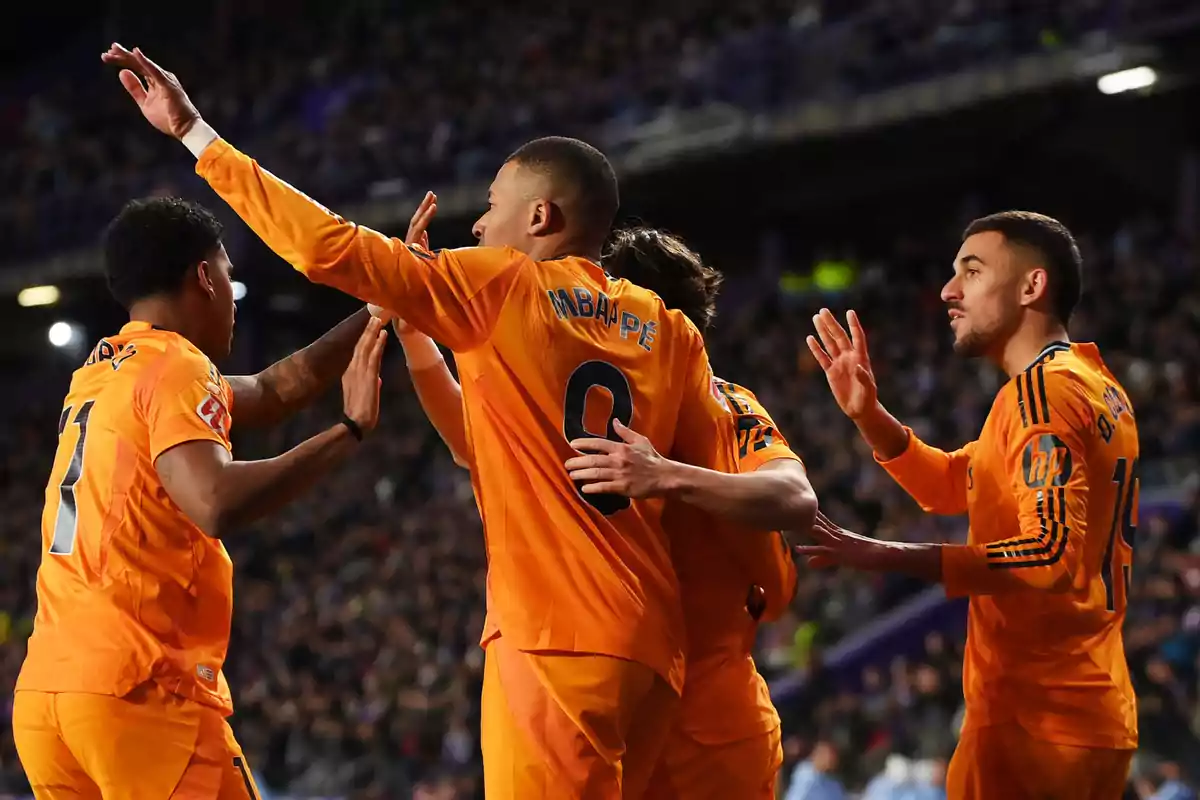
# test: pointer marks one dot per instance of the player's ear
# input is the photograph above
(541, 217)
(1034, 287)
(204, 279)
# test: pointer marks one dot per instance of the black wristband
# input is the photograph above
(353, 427)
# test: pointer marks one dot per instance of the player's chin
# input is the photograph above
(969, 345)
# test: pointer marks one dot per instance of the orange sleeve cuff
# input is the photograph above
(218, 148)
(756, 459)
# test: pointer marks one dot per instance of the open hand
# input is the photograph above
(418, 234)
(836, 546)
(630, 467)
(845, 361)
(158, 93)
(361, 381)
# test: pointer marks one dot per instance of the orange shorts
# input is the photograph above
(570, 726)
(147, 745)
(743, 770)
(1004, 762)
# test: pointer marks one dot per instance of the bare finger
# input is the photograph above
(362, 346)
(133, 84)
(828, 341)
(814, 347)
(835, 329)
(601, 445)
(809, 550)
(607, 487)
(375, 354)
(592, 475)
(585, 462)
(151, 69)
(858, 336)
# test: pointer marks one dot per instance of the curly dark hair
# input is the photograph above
(153, 242)
(664, 264)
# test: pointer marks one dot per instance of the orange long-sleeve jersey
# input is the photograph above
(1051, 489)
(546, 352)
(718, 563)
(129, 589)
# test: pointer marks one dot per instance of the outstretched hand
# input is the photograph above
(846, 363)
(837, 547)
(361, 382)
(157, 92)
(630, 467)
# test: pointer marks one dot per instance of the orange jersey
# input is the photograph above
(547, 351)
(129, 589)
(1051, 487)
(724, 698)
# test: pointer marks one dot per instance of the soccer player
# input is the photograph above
(584, 627)
(726, 741)
(1051, 491)
(121, 694)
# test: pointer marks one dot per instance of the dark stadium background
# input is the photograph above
(817, 152)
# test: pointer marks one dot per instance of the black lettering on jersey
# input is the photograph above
(629, 324)
(646, 339)
(1105, 427)
(1116, 402)
(128, 351)
(754, 434)
(103, 351)
(602, 308)
(583, 302)
(564, 305)
(1046, 462)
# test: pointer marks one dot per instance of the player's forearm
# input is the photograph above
(249, 490)
(764, 499)
(937, 480)
(438, 392)
(294, 382)
(922, 561)
(886, 436)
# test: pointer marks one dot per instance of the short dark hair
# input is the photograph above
(662, 263)
(1050, 240)
(152, 243)
(581, 170)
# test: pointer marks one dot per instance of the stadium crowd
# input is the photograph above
(354, 658)
(369, 96)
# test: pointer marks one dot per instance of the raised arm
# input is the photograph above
(937, 480)
(438, 392)
(292, 383)
(191, 453)
(453, 295)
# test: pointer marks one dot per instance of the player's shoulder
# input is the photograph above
(743, 400)
(1059, 387)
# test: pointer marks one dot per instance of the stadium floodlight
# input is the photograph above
(64, 334)
(38, 296)
(1127, 80)
(239, 290)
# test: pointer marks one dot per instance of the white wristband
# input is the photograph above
(420, 352)
(199, 137)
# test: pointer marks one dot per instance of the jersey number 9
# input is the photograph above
(587, 376)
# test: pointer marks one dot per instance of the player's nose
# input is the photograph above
(952, 291)
(477, 229)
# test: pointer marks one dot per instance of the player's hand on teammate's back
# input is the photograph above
(837, 547)
(630, 467)
(158, 93)
(846, 363)
(361, 381)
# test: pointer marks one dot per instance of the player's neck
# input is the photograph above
(164, 314)
(1024, 346)
(550, 249)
